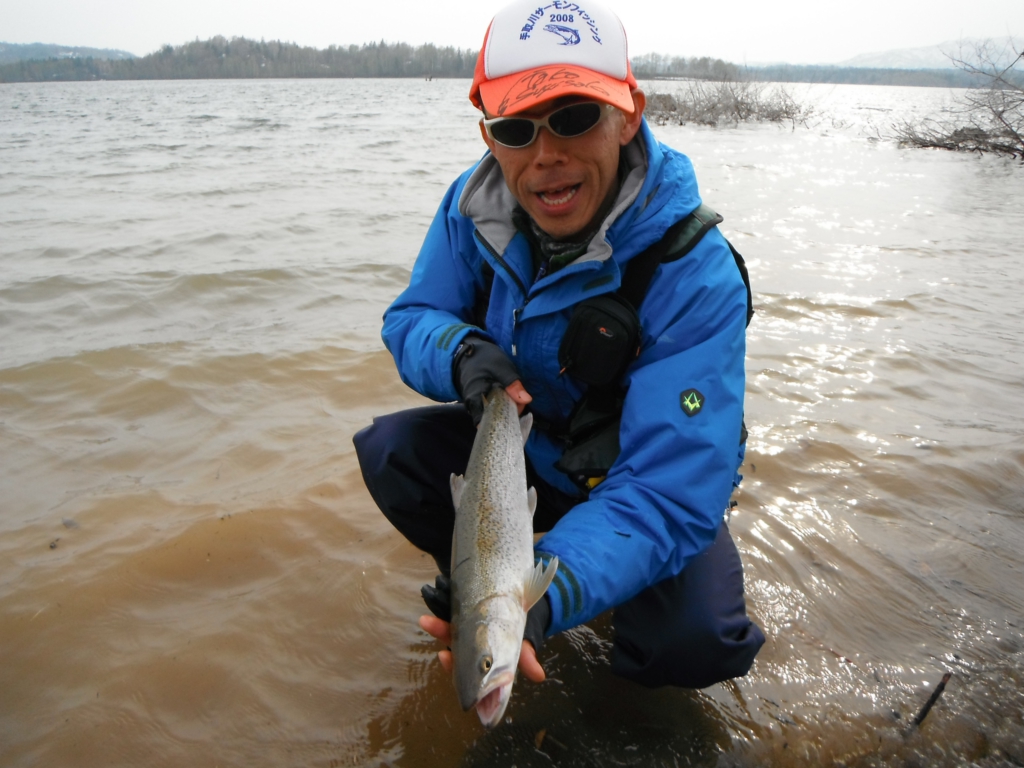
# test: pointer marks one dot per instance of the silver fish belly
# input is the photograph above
(494, 580)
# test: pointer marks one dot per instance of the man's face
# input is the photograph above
(563, 182)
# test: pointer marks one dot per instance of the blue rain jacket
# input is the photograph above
(664, 499)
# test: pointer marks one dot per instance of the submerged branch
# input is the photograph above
(987, 119)
(932, 699)
(728, 103)
(970, 138)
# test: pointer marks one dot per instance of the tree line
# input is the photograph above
(240, 57)
(11, 52)
(243, 58)
(810, 73)
(654, 65)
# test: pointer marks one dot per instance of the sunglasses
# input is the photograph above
(567, 122)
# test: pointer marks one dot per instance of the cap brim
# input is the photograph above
(520, 91)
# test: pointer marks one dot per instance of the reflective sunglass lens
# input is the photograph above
(513, 132)
(575, 119)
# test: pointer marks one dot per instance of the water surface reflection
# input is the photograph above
(191, 571)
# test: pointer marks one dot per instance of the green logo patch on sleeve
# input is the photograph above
(692, 402)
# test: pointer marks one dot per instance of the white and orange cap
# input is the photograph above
(534, 52)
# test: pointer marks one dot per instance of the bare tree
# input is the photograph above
(988, 118)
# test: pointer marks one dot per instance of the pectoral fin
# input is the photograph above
(525, 425)
(458, 483)
(531, 500)
(538, 579)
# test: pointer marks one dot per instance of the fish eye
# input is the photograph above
(486, 663)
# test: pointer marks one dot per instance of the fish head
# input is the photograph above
(486, 653)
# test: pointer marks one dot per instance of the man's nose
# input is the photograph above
(548, 147)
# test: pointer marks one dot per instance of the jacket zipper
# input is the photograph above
(504, 265)
(501, 260)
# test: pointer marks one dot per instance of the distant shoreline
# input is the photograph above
(243, 59)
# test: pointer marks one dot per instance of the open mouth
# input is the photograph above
(491, 705)
(555, 197)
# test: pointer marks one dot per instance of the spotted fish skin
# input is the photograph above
(494, 578)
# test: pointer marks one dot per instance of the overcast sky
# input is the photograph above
(751, 31)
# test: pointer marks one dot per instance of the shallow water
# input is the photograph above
(191, 571)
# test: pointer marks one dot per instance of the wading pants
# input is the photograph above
(690, 631)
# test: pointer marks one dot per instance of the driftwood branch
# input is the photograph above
(932, 699)
(728, 102)
(987, 119)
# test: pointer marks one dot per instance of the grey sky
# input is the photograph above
(797, 31)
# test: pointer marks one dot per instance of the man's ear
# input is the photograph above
(487, 139)
(632, 123)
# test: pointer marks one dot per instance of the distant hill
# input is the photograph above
(935, 56)
(12, 52)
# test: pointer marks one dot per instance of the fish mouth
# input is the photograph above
(490, 705)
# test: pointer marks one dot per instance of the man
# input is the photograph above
(634, 372)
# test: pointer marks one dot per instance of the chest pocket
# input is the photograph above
(603, 338)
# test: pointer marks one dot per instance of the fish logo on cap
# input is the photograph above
(570, 36)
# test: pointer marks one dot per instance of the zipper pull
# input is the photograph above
(515, 321)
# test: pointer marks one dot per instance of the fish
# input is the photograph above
(494, 579)
(568, 34)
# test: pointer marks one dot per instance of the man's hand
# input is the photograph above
(442, 630)
(479, 365)
(519, 395)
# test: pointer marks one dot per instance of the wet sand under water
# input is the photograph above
(192, 573)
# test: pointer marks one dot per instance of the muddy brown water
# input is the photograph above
(191, 572)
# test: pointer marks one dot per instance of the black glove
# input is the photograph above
(479, 365)
(439, 597)
(537, 621)
(439, 600)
